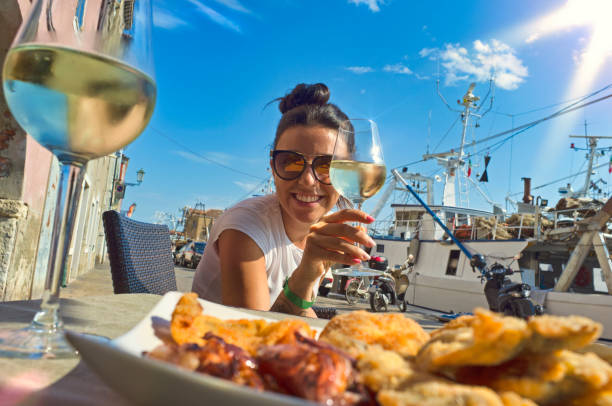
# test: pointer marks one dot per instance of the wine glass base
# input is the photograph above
(357, 271)
(34, 342)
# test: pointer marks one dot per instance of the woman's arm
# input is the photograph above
(329, 241)
(243, 270)
(244, 282)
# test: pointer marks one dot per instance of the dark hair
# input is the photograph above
(307, 105)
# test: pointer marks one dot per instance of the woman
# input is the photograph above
(269, 252)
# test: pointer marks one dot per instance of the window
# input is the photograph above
(453, 262)
(380, 248)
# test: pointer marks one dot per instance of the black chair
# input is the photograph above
(140, 255)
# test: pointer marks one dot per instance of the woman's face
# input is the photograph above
(305, 199)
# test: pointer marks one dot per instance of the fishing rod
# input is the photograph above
(476, 260)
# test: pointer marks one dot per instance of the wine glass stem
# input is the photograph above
(68, 195)
(358, 225)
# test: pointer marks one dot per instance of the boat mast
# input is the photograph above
(584, 190)
(452, 161)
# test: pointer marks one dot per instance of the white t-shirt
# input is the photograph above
(259, 218)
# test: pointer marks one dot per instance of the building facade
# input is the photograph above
(199, 222)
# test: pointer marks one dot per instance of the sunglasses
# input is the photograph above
(289, 165)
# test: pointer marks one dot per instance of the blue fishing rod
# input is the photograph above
(476, 260)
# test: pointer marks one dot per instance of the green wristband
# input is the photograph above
(295, 299)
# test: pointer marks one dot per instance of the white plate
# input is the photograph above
(150, 382)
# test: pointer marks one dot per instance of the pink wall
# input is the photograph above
(36, 175)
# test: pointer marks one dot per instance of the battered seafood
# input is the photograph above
(189, 325)
(353, 332)
(363, 359)
(488, 338)
(448, 394)
(547, 379)
(552, 333)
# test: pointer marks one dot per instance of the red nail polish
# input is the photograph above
(356, 261)
(370, 218)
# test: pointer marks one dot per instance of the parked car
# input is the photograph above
(190, 254)
(179, 245)
(198, 248)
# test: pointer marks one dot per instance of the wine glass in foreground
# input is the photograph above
(79, 79)
(358, 169)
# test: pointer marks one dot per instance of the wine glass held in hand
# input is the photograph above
(357, 169)
(79, 80)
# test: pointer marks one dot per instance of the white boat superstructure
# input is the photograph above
(441, 277)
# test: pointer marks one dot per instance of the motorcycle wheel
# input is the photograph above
(521, 308)
(401, 303)
(377, 302)
(352, 295)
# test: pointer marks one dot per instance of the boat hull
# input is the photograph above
(431, 285)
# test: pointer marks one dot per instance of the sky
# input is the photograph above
(220, 62)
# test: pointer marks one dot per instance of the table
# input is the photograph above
(69, 382)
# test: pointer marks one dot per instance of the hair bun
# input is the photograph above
(302, 94)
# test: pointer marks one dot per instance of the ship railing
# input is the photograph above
(568, 217)
(394, 228)
(498, 228)
(490, 228)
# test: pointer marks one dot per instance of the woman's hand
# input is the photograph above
(331, 240)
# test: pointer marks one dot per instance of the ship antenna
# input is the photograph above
(428, 130)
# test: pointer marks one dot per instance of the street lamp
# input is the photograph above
(139, 177)
(119, 188)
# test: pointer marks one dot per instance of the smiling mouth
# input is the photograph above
(306, 198)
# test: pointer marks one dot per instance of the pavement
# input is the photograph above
(98, 282)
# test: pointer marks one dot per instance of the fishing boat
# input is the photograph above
(562, 252)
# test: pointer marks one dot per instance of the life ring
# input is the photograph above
(463, 232)
(583, 278)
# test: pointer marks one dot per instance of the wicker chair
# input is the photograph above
(140, 255)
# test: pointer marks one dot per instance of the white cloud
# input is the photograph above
(219, 157)
(421, 77)
(362, 91)
(425, 52)
(162, 19)
(485, 60)
(215, 16)
(398, 68)
(234, 5)
(248, 186)
(191, 156)
(374, 5)
(360, 69)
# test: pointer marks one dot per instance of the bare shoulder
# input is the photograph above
(237, 245)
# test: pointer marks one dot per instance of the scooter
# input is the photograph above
(382, 292)
(382, 289)
(502, 294)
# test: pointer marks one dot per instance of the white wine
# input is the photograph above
(356, 180)
(79, 105)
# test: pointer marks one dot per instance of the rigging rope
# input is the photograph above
(212, 161)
